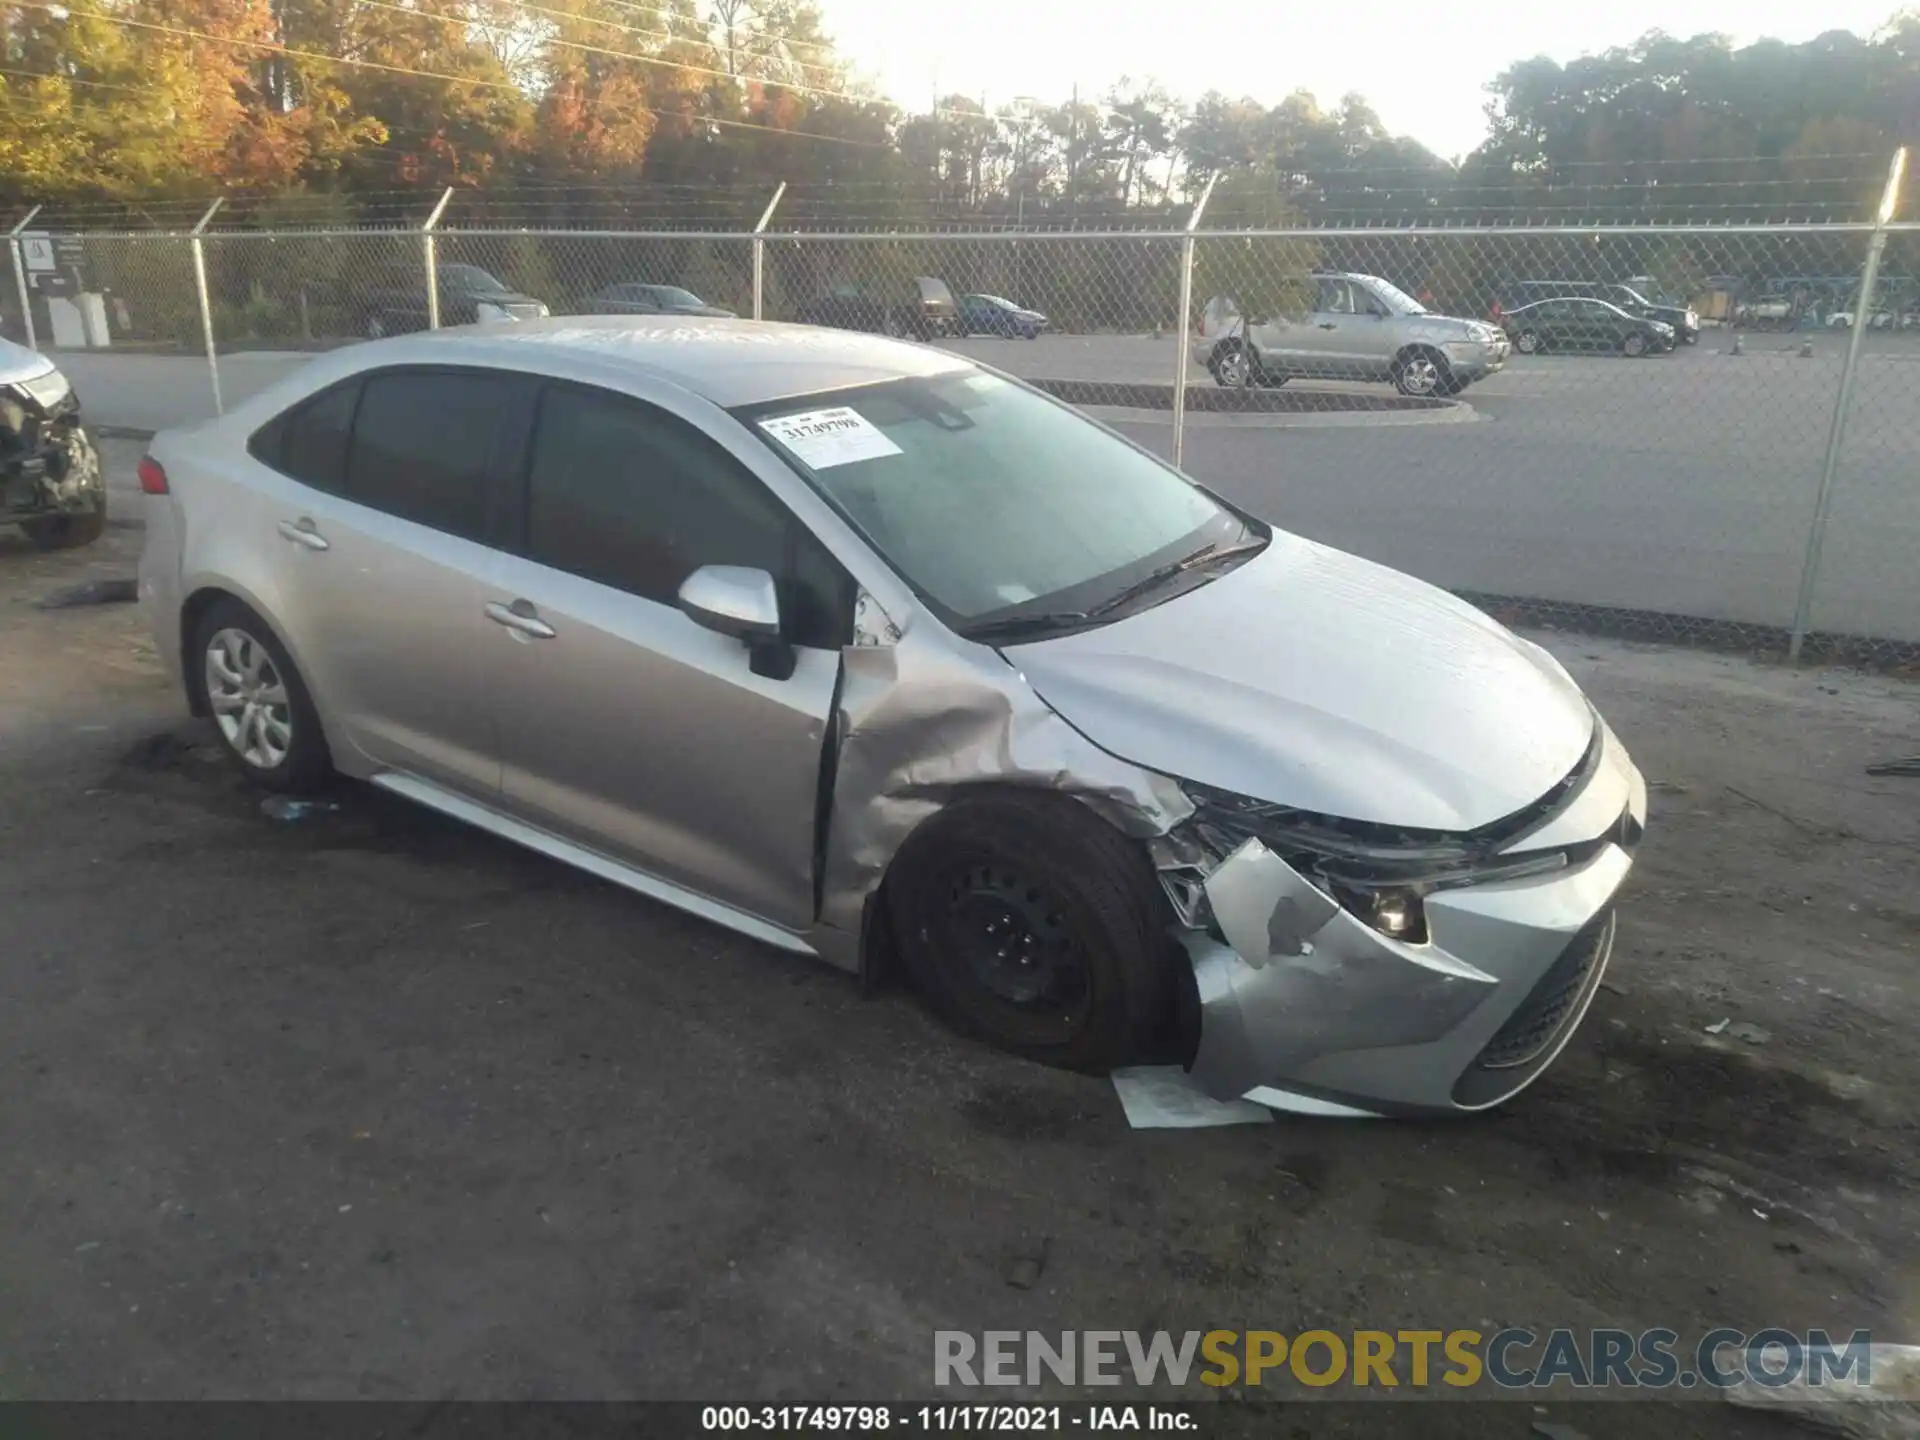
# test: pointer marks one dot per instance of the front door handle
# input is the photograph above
(521, 618)
(302, 532)
(1328, 325)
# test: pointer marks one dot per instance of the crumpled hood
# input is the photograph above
(1314, 679)
(18, 363)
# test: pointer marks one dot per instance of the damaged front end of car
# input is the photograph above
(1350, 969)
(49, 469)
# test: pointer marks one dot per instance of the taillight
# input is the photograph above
(153, 480)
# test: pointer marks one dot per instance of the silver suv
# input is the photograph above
(1359, 328)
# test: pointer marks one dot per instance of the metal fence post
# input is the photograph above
(206, 300)
(760, 252)
(432, 261)
(1181, 321)
(20, 274)
(1842, 403)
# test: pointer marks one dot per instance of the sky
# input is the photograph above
(1424, 67)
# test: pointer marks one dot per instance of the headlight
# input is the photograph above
(487, 313)
(1693, 319)
(48, 390)
(545, 313)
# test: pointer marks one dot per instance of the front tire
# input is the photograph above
(1026, 920)
(1421, 373)
(261, 710)
(1527, 342)
(1634, 345)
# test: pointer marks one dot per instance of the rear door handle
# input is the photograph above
(302, 532)
(521, 618)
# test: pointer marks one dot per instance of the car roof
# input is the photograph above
(730, 362)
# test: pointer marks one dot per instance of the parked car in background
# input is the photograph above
(1879, 320)
(396, 302)
(866, 653)
(919, 308)
(1683, 319)
(1359, 327)
(642, 299)
(51, 484)
(992, 315)
(1582, 324)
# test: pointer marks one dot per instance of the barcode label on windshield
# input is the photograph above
(825, 438)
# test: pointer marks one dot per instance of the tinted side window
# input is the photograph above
(623, 494)
(309, 442)
(422, 442)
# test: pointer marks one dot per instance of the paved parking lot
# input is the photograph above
(1683, 483)
(370, 1106)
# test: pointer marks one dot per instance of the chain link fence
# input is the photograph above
(1624, 428)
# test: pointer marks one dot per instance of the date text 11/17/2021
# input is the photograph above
(948, 1419)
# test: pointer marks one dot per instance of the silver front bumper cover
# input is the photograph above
(1307, 1007)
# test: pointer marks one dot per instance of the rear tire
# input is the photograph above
(65, 532)
(1633, 344)
(1026, 920)
(1234, 366)
(260, 707)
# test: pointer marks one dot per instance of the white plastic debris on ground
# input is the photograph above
(1887, 1407)
(1166, 1097)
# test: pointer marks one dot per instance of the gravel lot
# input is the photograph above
(1683, 483)
(370, 1106)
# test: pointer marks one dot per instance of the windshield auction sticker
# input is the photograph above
(825, 438)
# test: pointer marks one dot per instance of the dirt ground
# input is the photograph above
(370, 1106)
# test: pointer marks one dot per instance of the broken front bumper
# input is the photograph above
(48, 465)
(1305, 1006)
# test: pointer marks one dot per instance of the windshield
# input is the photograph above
(1397, 300)
(674, 295)
(991, 501)
(470, 278)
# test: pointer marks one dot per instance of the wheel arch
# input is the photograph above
(202, 597)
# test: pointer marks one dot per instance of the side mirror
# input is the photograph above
(734, 600)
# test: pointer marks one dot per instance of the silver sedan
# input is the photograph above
(874, 654)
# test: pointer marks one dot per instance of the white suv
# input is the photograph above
(1360, 328)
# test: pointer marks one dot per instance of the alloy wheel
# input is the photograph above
(248, 699)
(1419, 375)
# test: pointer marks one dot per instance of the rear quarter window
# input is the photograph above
(309, 442)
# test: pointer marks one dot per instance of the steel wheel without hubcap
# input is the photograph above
(1019, 952)
(248, 699)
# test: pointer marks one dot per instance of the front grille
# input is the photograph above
(1536, 1024)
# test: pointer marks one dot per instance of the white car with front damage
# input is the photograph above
(874, 654)
(51, 484)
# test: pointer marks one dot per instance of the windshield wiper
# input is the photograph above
(1202, 559)
(1010, 627)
